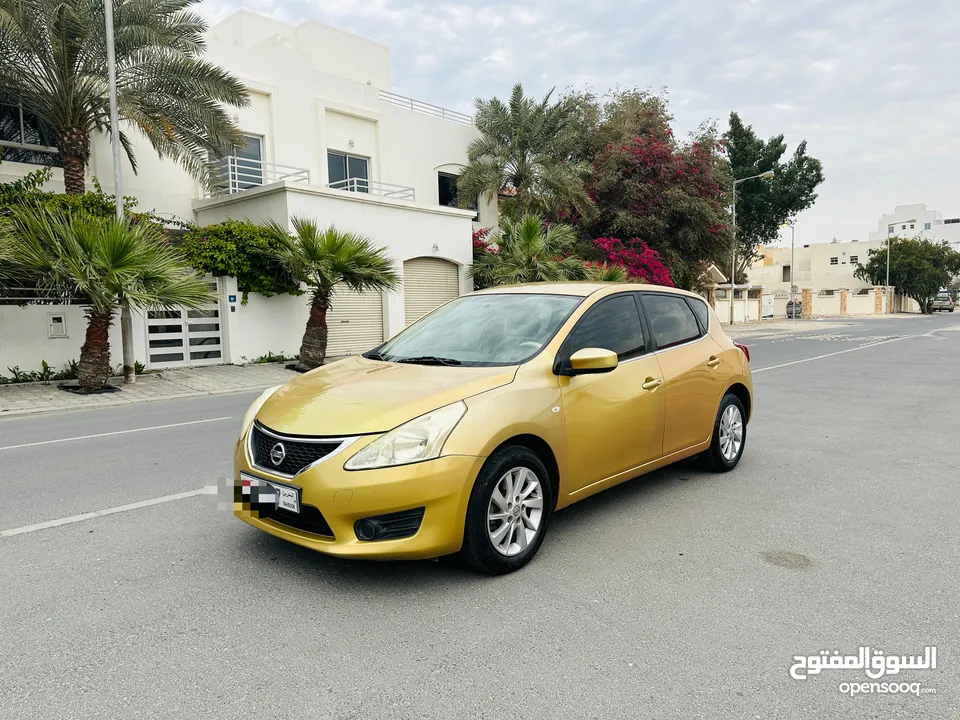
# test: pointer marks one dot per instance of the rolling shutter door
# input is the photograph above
(354, 322)
(427, 284)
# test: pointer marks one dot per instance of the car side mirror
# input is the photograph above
(592, 361)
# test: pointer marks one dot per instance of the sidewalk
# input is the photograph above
(26, 398)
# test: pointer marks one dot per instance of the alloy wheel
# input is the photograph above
(515, 511)
(731, 433)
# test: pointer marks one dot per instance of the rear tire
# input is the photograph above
(729, 436)
(508, 512)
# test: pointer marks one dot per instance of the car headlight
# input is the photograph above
(420, 439)
(255, 408)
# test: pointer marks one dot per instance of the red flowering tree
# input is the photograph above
(664, 194)
(640, 262)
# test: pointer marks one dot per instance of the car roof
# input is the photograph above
(581, 289)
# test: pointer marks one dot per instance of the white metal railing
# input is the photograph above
(362, 185)
(232, 174)
(426, 108)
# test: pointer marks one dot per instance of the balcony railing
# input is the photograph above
(426, 108)
(233, 174)
(362, 185)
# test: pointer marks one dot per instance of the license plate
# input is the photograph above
(287, 498)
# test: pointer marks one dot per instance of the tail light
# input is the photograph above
(745, 350)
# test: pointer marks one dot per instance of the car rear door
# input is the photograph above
(614, 420)
(694, 377)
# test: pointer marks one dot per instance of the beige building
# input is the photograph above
(822, 267)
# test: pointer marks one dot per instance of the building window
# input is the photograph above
(912, 226)
(786, 273)
(448, 192)
(854, 259)
(825, 293)
(347, 172)
(24, 139)
(926, 226)
(243, 169)
(834, 260)
(903, 227)
(890, 230)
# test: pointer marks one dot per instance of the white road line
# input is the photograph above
(117, 432)
(211, 490)
(839, 352)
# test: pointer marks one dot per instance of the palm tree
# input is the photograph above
(321, 259)
(108, 263)
(607, 272)
(526, 153)
(526, 251)
(53, 64)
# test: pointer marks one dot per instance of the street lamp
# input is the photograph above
(126, 321)
(792, 224)
(768, 175)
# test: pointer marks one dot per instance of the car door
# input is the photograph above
(693, 374)
(614, 420)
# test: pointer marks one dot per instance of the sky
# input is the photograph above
(866, 82)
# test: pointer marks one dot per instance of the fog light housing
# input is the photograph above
(392, 526)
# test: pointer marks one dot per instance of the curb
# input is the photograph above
(121, 401)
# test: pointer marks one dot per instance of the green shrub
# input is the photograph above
(240, 249)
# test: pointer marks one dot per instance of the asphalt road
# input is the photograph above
(679, 595)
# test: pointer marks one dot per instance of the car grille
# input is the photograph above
(309, 520)
(298, 453)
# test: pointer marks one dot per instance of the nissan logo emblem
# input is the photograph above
(277, 453)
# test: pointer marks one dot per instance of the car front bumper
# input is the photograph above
(441, 487)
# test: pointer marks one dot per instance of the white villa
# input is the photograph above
(325, 138)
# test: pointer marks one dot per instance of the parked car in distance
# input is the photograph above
(470, 428)
(942, 302)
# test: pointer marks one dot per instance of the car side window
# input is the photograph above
(612, 324)
(671, 319)
(701, 311)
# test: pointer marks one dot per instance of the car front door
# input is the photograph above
(693, 372)
(614, 420)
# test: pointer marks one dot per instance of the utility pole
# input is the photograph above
(126, 321)
(768, 175)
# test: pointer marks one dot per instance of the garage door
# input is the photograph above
(354, 322)
(427, 284)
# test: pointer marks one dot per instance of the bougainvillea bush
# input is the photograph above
(638, 259)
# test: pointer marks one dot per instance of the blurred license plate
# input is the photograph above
(287, 498)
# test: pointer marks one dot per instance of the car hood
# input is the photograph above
(357, 396)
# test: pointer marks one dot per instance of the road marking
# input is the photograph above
(839, 352)
(210, 490)
(117, 432)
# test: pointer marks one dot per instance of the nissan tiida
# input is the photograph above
(465, 432)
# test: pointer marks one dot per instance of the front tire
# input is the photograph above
(508, 512)
(729, 436)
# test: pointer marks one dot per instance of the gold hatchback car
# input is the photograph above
(468, 429)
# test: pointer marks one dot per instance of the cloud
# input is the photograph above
(868, 83)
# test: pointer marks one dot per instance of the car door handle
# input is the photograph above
(713, 362)
(652, 384)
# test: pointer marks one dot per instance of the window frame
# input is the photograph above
(561, 364)
(835, 260)
(653, 338)
(346, 168)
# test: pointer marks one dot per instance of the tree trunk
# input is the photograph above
(94, 368)
(313, 349)
(73, 174)
(74, 146)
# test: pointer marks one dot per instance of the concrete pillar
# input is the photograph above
(760, 305)
(806, 303)
(712, 297)
(878, 301)
(843, 300)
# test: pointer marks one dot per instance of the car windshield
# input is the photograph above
(487, 329)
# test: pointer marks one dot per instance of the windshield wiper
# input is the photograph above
(375, 356)
(428, 360)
